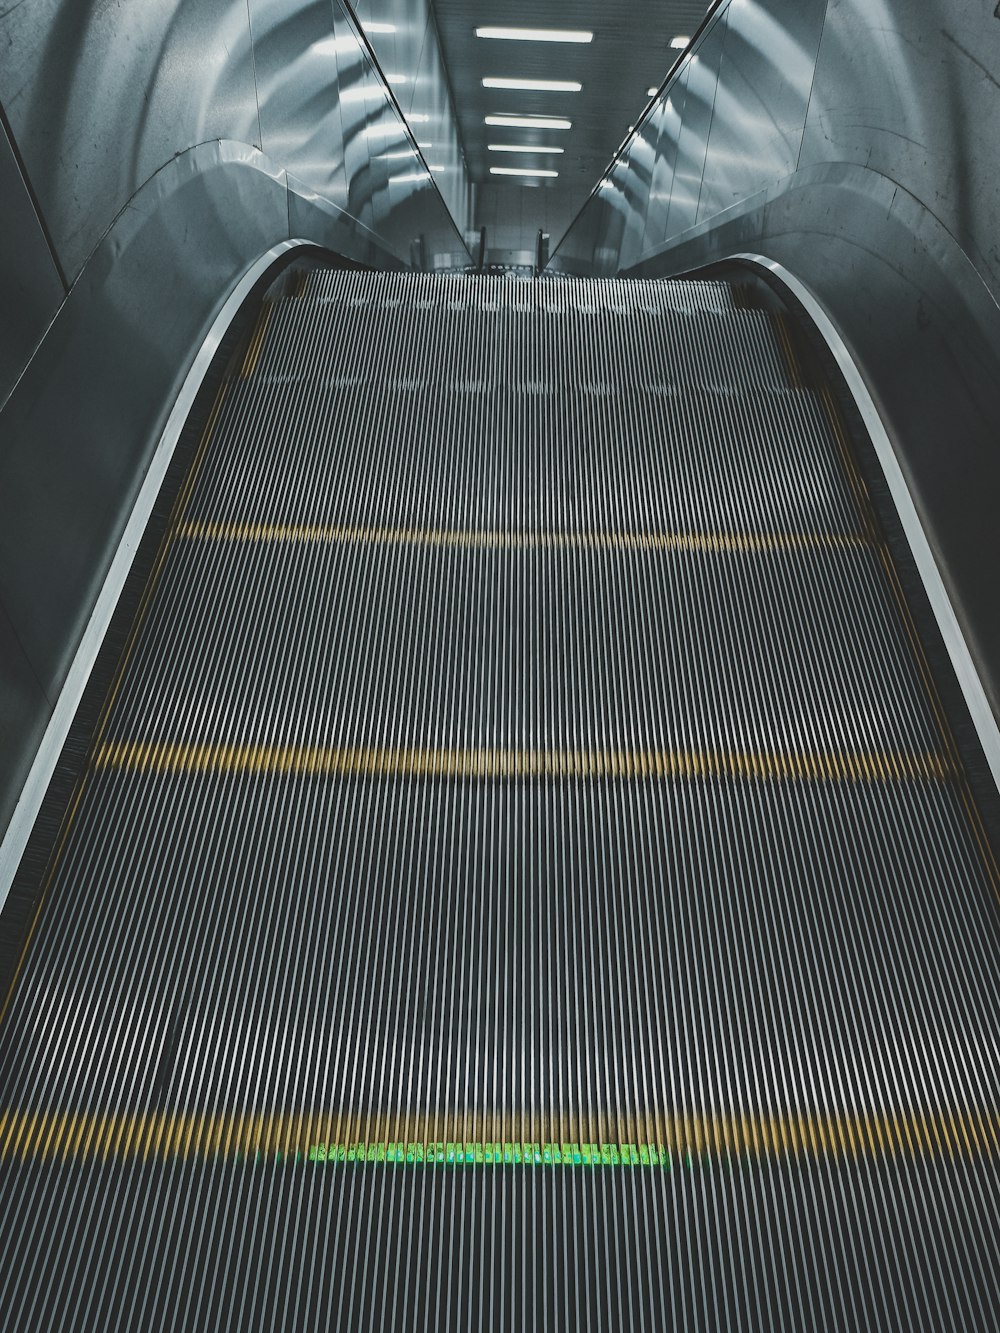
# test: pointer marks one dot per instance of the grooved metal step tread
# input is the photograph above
(523, 878)
(404, 642)
(630, 461)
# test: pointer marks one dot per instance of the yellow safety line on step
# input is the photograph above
(428, 762)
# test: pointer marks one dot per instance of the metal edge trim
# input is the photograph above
(36, 784)
(969, 681)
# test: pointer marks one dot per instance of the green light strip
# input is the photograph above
(493, 1154)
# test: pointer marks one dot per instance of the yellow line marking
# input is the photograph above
(194, 1135)
(377, 761)
(859, 491)
(500, 538)
(792, 363)
(256, 342)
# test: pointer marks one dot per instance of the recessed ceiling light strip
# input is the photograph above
(530, 122)
(535, 85)
(536, 34)
(523, 148)
(522, 171)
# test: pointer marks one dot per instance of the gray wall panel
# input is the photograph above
(301, 68)
(913, 92)
(99, 99)
(510, 212)
(909, 91)
(701, 81)
(757, 121)
(411, 57)
(99, 96)
(79, 428)
(30, 286)
(638, 182)
(669, 116)
(436, 127)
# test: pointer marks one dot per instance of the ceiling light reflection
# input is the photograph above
(331, 46)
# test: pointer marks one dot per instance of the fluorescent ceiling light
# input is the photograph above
(379, 27)
(425, 145)
(438, 166)
(651, 92)
(535, 34)
(417, 118)
(397, 157)
(535, 85)
(679, 43)
(531, 122)
(397, 78)
(410, 179)
(523, 148)
(521, 171)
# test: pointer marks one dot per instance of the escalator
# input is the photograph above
(523, 874)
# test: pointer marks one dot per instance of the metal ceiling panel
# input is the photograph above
(630, 53)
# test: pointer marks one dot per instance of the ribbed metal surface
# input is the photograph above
(522, 879)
